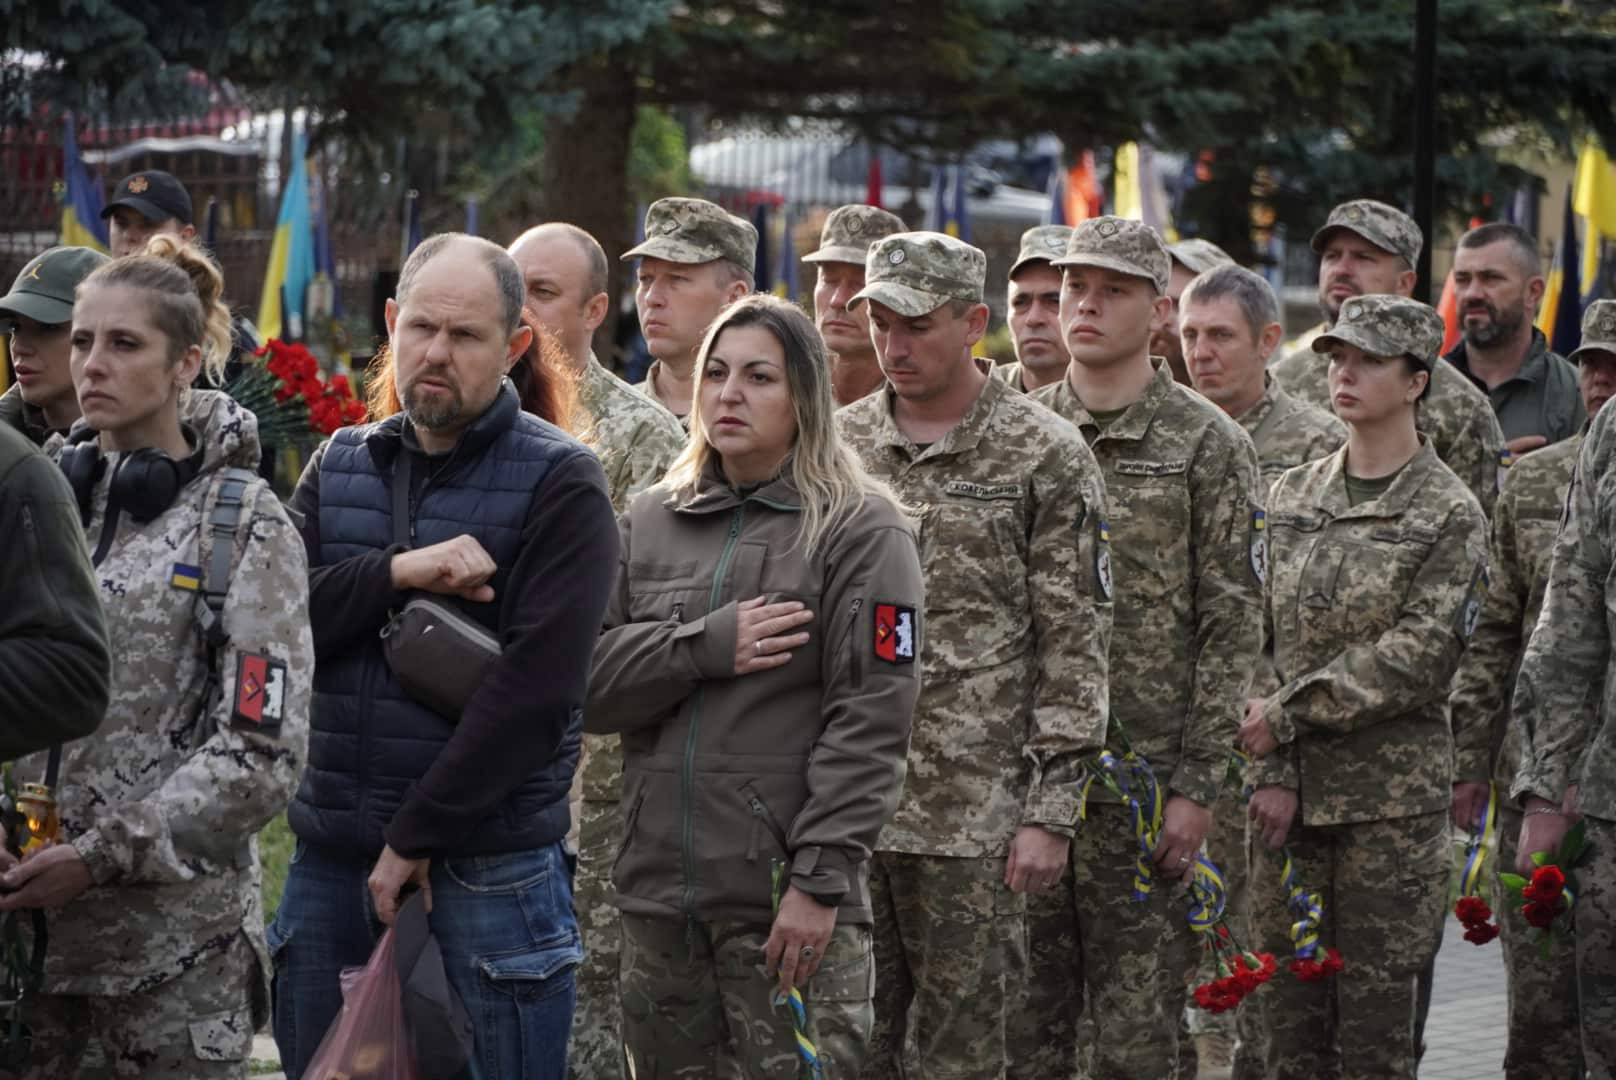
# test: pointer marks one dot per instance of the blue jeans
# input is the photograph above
(510, 948)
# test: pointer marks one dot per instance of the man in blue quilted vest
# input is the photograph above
(504, 519)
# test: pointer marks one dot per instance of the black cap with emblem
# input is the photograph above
(154, 195)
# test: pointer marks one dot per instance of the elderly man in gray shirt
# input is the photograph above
(1498, 282)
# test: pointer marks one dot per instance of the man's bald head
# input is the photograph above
(507, 278)
(593, 254)
(565, 271)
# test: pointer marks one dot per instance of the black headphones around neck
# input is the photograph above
(146, 482)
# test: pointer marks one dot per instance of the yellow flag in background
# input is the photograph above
(1125, 197)
(1594, 199)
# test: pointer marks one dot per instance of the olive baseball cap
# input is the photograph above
(44, 289)
(1198, 255)
(1120, 244)
(696, 231)
(915, 273)
(1041, 243)
(850, 230)
(1598, 329)
(1387, 227)
(154, 194)
(1383, 325)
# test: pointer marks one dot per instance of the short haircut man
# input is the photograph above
(697, 258)
(1190, 257)
(1017, 571)
(503, 520)
(844, 243)
(1033, 303)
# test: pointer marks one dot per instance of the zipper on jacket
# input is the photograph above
(687, 836)
(855, 654)
(757, 829)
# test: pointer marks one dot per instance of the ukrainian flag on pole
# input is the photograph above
(1594, 196)
(291, 257)
(82, 223)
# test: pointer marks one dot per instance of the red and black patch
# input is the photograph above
(260, 698)
(895, 633)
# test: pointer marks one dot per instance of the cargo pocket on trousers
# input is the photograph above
(225, 1036)
(532, 974)
(848, 971)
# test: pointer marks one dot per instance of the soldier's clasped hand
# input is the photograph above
(763, 633)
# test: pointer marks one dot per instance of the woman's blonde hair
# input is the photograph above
(824, 469)
(187, 292)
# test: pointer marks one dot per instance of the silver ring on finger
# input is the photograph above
(757, 646)
(807, 952)
(1183, 860)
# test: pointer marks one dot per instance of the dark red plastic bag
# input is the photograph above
(368, 1041)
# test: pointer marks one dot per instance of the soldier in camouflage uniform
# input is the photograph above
(844, 242)
(1543, 1032)
(1377, 570)
(1369, 247)
(1013, 543)
(1034, 307)
(1182, 483)
(696, 259)
(156, 929)
(1564, 700)
(1190, 258)
(565, 272)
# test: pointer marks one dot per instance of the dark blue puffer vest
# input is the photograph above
(368, 740)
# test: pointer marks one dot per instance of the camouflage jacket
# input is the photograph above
(1288, 432)
(636, 440)
(167, 831)
(1459, 419)
(1565, 699)
(1010, 374)
(1368, 609)
(1010, 508)
(1486, 744)
(648, 387)
(1181, 478)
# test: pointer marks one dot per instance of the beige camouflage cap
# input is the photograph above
(696, 231)
(1120, 244)
(1199, 256)
(1598, 329)
(1387, 227)
(1041, 243)
(1383, 325)
(915, 273)
(850, 230)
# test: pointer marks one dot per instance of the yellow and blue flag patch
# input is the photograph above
(186, 576)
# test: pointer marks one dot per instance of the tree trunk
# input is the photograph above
(585, 173)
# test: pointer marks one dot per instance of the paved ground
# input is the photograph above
(1465, 1035)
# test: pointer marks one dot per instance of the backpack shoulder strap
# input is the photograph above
(223, 522)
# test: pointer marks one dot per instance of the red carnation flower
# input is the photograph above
(1481, 933)
(1548, 882)
(1472, 910)
(1539, 914)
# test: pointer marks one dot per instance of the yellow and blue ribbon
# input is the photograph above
(1482, 841)
(792, 999)
(1307, 907)
(1208, 896)
(1132, 779)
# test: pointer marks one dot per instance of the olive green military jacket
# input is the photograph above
(1186, 517)
(1368, 610)
(1288, 432)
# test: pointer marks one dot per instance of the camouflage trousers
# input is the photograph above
(1544, 1039)
(196, 1026)
(1383, 884)
(1042, 1025)
(950, 952)
(596, 1051)
(1596, 948)
(697, 1003)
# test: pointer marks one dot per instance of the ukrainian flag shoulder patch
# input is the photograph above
(185, 576)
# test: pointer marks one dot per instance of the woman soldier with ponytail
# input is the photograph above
(151, 885)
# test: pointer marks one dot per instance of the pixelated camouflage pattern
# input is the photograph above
(1377, 879)
(695, 231)
(1288, 432)
(636, 441)
(648, 387)
(1544, 1035)
(1487, 745)
(1041, 243)
(850, 230)
(1387, 227)
(1386, 325)
(1598, 328)
(1010, 506)
(1368, 611)
(1120, 244)
(698, 1003)
(1041, 1036)
(1458, 418)
(1565, 696)
(1595, 946)
(1199, 255)
(951, 957)
(1009, 374)
(168, 832)
(915, 273)
(596, 1050)
(1182, 482)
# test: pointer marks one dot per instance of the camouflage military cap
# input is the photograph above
(1113, 243)
(850, 230)
(915, 273)
(1598, 329)
(1384, 325)
(696, 231)
(1199, 255)
(1387, 227)
(1041, 243)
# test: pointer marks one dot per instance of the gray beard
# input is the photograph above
(1499, 330)
(434, 417)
